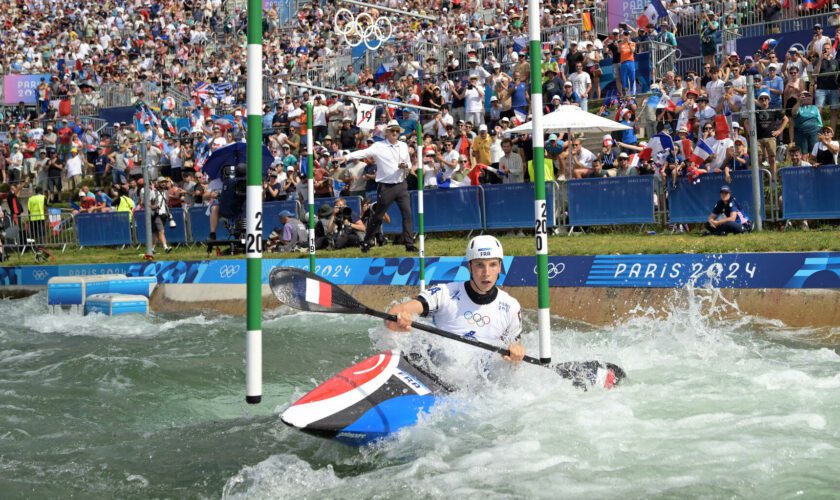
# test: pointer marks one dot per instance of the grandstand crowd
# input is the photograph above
(471, 66)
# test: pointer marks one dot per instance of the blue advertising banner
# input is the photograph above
(811, 193)
(611, 200)
(744, 270)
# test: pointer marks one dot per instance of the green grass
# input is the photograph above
(826, 239)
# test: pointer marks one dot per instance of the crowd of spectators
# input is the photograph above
(480, 88)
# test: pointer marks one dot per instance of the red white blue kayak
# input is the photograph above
(368, 401)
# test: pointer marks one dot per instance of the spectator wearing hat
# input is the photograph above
(730, 103)
(608, 156)
(727, 216)
(709, 35)
(159, 207)
(775, 85)
(623, 168)
(392, 162)
(826, 71)
(769, 125)
(553, 105)
(738, 160)
(480, 147)
(290, 236)
(736, 133)
(74, 169)
(704, 114)
(826, 149)
(569, 96)
(834, 18)
(807, 121)
(818, 41)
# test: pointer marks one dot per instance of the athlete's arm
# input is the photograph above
(405, 312)
(517, 352)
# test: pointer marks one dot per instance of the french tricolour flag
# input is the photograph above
(652, 14)
(666, 103)
(701, 152)
(318, 292)
(658, 148)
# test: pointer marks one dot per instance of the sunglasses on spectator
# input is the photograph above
(707, 128)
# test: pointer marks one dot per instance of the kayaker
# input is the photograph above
(475, 309)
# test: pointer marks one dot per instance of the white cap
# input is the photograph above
(482, 128)
(484, 247)
(494, 98)
(736, 125)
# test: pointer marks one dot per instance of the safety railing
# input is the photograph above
(807, 193)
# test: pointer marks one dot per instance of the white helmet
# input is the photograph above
(484, 247)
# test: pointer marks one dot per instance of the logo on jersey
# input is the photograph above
(456, 295)
(504, 307)
(470, 335)
(476, 319)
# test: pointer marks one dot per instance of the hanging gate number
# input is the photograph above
(254, 241)
(541, 226)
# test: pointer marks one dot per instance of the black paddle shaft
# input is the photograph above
(452, 336)
(287, 282)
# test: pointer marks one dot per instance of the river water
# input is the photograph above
(127, 407)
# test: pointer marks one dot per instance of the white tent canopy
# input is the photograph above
(570, 118)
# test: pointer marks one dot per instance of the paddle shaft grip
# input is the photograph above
(452, 336)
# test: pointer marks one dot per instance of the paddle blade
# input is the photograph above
(309, 292)
(585, 374)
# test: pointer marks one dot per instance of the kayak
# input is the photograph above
(368, 401)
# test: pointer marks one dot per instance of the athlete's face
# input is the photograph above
(484, 273)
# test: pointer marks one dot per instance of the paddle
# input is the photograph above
(306, 291)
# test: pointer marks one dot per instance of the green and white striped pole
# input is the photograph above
(540, 211)
(420, 224)
(310, 185)
(253, 208)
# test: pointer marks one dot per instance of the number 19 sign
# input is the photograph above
(366, 116)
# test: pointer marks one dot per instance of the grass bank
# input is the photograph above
(827, 239)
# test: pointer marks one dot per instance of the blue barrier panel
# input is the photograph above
(511, 206)
(811, 193)
(200, 225)
(271, 214)
(110, 228)
(174, 235)
(694, 202)
(450, 209)
(611, 200)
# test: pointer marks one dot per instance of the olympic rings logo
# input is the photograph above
(228, 271)
(360, 29)
(554, 270)
(40, 274)
(476, 319)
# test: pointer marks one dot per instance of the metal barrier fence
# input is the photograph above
(809, 193)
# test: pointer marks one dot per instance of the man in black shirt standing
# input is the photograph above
(827, 69)
(769, 124)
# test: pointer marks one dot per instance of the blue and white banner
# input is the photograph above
(743, 270)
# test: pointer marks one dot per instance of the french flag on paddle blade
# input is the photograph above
(653, 13)
(318, 292)
(659, 147)
(701, 152)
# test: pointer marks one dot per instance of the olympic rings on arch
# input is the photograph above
(358, 29)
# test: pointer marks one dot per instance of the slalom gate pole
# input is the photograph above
(540, 211)
(253, 207)
(420, 223)
(310, 184)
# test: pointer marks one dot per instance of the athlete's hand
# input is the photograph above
(517, 353)
(404, 319)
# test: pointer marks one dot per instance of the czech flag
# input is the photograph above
(652, 14)
(658, 148)
(701, 152)
(318, 292)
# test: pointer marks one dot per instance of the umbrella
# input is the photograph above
(233, 154)
(572, 119)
